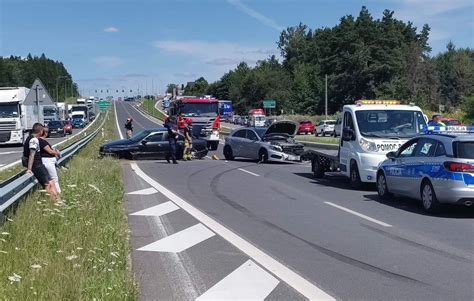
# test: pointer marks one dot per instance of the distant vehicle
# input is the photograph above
(81, 101)
(91, 116)
(67, 126)
(234, 119)
(256, 120)
(337, 127)
(151, 144)
(129, 99)
(325, 127)
(56, 129)
(434, 168)
(306, 127)
(225, 109)
(451, 121)
(78, 120)
(244, 120)
(81, 109)
(275, 143)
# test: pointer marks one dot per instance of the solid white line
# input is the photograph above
(116, 120)
(146, 191)
(303, 286)
(11, 152)
(181, 240)
(247, 282)
(158, 210)
(359, 214)
(249, 172)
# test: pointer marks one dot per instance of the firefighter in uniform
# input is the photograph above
(188, 141)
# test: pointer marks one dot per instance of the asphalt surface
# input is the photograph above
(9, 154)
(349, 244)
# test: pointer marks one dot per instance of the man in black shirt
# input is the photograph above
(129, 127)
(32, 161)
(172, 127)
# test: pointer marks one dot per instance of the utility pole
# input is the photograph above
(326, 97)
(37, 102)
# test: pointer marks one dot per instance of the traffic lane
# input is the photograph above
(10, 154)
(452, 228)
(311, 237)
(140, 122)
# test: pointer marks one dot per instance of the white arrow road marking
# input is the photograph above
(247, 282)
(180, 241)
(299, 283)
(146, 191)
(158, 210)
(358, 214)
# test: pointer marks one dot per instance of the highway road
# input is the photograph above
(10, 154)
(210, 222)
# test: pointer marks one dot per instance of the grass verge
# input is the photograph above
(149, 106)
(311, 138)
(10, 172)
(76, 252)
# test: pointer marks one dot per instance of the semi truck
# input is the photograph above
(204, 113)
(225, 110)
(370, 129)
(80, 110)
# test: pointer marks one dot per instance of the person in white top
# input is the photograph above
(49, 158)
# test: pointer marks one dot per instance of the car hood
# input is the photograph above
(122, 142)
(282, 127)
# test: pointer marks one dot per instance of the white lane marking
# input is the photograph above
(249, 172)
(359, 214)
(146, 191)
(181, 240)
(303, 286)
(247, 282)
(2, 165)
(11, 152)
(116, 120)
(158, 210)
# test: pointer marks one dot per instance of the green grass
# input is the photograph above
(312, 138)
(76, 252)
(10, 172)
(149, 107)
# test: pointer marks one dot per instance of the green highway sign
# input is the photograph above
(269, 104)
(103, 105)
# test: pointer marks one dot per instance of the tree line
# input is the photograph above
(21, 72)
(362, 57)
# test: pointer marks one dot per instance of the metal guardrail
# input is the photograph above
(15, 188)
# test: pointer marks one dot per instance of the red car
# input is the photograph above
(67, 127)
(306, 127)
(451, 121)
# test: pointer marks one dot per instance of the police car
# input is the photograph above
(436, 168)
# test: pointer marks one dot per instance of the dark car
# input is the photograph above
(56, 129)
(151, 144)
(67, 126)
(78, 123)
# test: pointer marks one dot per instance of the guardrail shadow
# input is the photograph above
(415, 206)
(334, 180)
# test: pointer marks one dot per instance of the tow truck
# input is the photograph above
(370, 129)
(204, 113)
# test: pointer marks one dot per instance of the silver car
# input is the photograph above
(274, 143)
(325, 127)
(433, 168)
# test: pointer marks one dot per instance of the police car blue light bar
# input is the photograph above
(450, 129)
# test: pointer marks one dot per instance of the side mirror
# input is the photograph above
(348, 134)
(144, 142)
(391, 155)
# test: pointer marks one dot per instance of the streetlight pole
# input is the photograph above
(326, 97)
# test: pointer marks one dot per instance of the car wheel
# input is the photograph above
(428, 197)
(228, 155)
(382, 187)
(356, 183)
(263, 155)
(318, 170)
(316, 133)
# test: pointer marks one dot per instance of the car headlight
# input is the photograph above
(276, 148)
(367, 145)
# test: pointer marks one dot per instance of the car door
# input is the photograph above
(236, 142)
(394, 173)
(346, 147)
(152, 146)
(252, 145)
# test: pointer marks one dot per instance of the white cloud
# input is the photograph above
(111, 29)
(256, 15)
(216, 53)
(108, 62)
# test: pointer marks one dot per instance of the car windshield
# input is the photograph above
(199, 109)
(331, 122)
(453, 122)
(390, 123)
(260, 118)
(55, 124)
(140, 135)
(49, 111)
(77, 116)
(465, 150)
(8, 110)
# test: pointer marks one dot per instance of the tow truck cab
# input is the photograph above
(370, 129)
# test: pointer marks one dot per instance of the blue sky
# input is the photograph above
(134, 44)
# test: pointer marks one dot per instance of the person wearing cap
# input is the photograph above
(436, 121)
(188, 141)
(129, 127)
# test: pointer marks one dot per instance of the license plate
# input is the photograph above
(293, 158)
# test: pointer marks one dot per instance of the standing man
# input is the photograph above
(188, 141)
(32, 161)
(129, 127)
(436, 121)
(172, 139)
